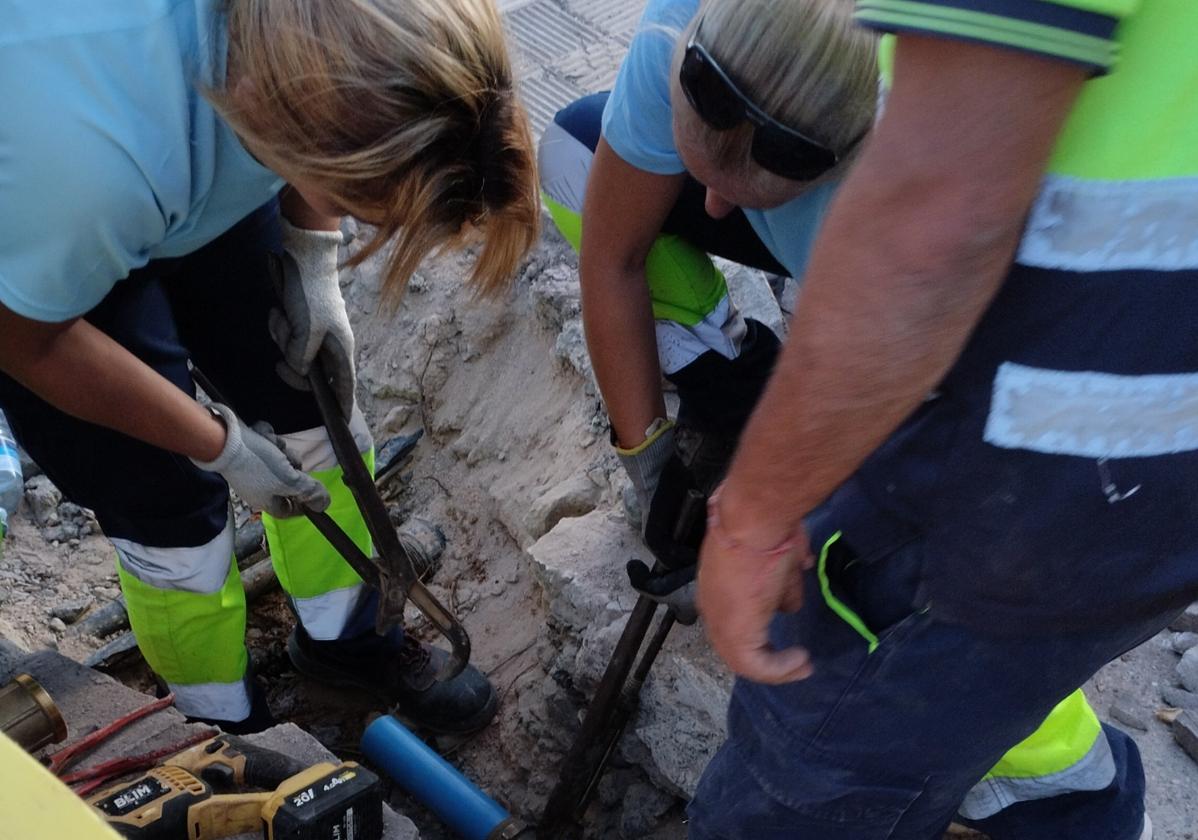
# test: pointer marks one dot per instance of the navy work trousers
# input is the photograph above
(210, 307)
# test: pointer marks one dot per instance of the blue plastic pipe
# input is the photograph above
(459, 803)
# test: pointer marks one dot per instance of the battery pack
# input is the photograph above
(313, 806)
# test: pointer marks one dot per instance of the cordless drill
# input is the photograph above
(179, 800)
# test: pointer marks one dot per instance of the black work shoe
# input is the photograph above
(402, 673)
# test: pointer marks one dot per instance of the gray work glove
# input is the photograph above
(673, 587)
(313, 318)
(255, 464)
(645, 462)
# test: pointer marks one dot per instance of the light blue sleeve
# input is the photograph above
(76, 212)
(638, 122)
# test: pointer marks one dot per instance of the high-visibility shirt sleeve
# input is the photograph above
(1076, 31)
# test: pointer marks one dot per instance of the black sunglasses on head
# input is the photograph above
(717, 100)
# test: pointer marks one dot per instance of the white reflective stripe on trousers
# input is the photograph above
(325, 616)
(222, 701)
(564, 163)
(201, 569)
(722, 331)
(1092, 414)
(311, 447)
(1093, 771)
(1079, 224)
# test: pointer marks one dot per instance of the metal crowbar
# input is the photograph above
(391, 573)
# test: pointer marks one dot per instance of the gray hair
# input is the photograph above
(804, 62)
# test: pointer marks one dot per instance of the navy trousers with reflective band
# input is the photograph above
(211, 307)
(168, 519)
(885, 745)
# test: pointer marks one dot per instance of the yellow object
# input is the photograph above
(35, 804)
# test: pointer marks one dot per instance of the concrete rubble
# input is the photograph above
(1187, 670)
(1187, 622)
(1185, 730)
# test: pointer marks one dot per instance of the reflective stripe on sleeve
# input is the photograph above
(1086, 225)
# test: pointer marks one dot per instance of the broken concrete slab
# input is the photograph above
(580, 566)
(1185, 730)
(1179, 698)
(1125, 711)
(1181, 642)
(680, 725)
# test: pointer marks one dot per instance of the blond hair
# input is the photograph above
(803, 62)
(402, 111)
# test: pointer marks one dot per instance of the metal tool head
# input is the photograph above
(393, 574)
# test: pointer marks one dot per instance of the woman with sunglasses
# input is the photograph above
(158, 160)
(653, 302)
(727, 132)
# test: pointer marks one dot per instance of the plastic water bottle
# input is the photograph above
(11, 483)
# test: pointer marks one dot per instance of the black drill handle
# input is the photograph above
(229, 762)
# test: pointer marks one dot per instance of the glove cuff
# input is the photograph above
(657, 430)
(315, 253)
(297, 238)
(232, 440)
(644, 463)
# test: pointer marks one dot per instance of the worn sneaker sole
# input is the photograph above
(318, 671)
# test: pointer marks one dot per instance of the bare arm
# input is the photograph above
(915, 247)
(80, 370)
(623, 213)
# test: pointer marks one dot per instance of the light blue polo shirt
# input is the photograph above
(638, 125)
(109, 154)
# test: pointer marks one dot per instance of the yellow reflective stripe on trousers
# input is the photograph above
(306, 564)
(1069, 752)
(189, 638)
(835, 604)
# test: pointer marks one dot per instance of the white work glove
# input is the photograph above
(313, 318)
(258, 468)
(645, 462)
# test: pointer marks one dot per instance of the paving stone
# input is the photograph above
(1187, 669)
(1179, 698)
(1187, 622)
(1182, 642)
(1126, 712)
(1185, 730)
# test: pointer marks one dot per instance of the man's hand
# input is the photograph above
(257, 467)
(313, 318)
(740, 590)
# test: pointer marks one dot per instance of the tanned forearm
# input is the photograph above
(624, 210)
(623, 349)
(867, 344)
(81, 371)
(915, 247)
